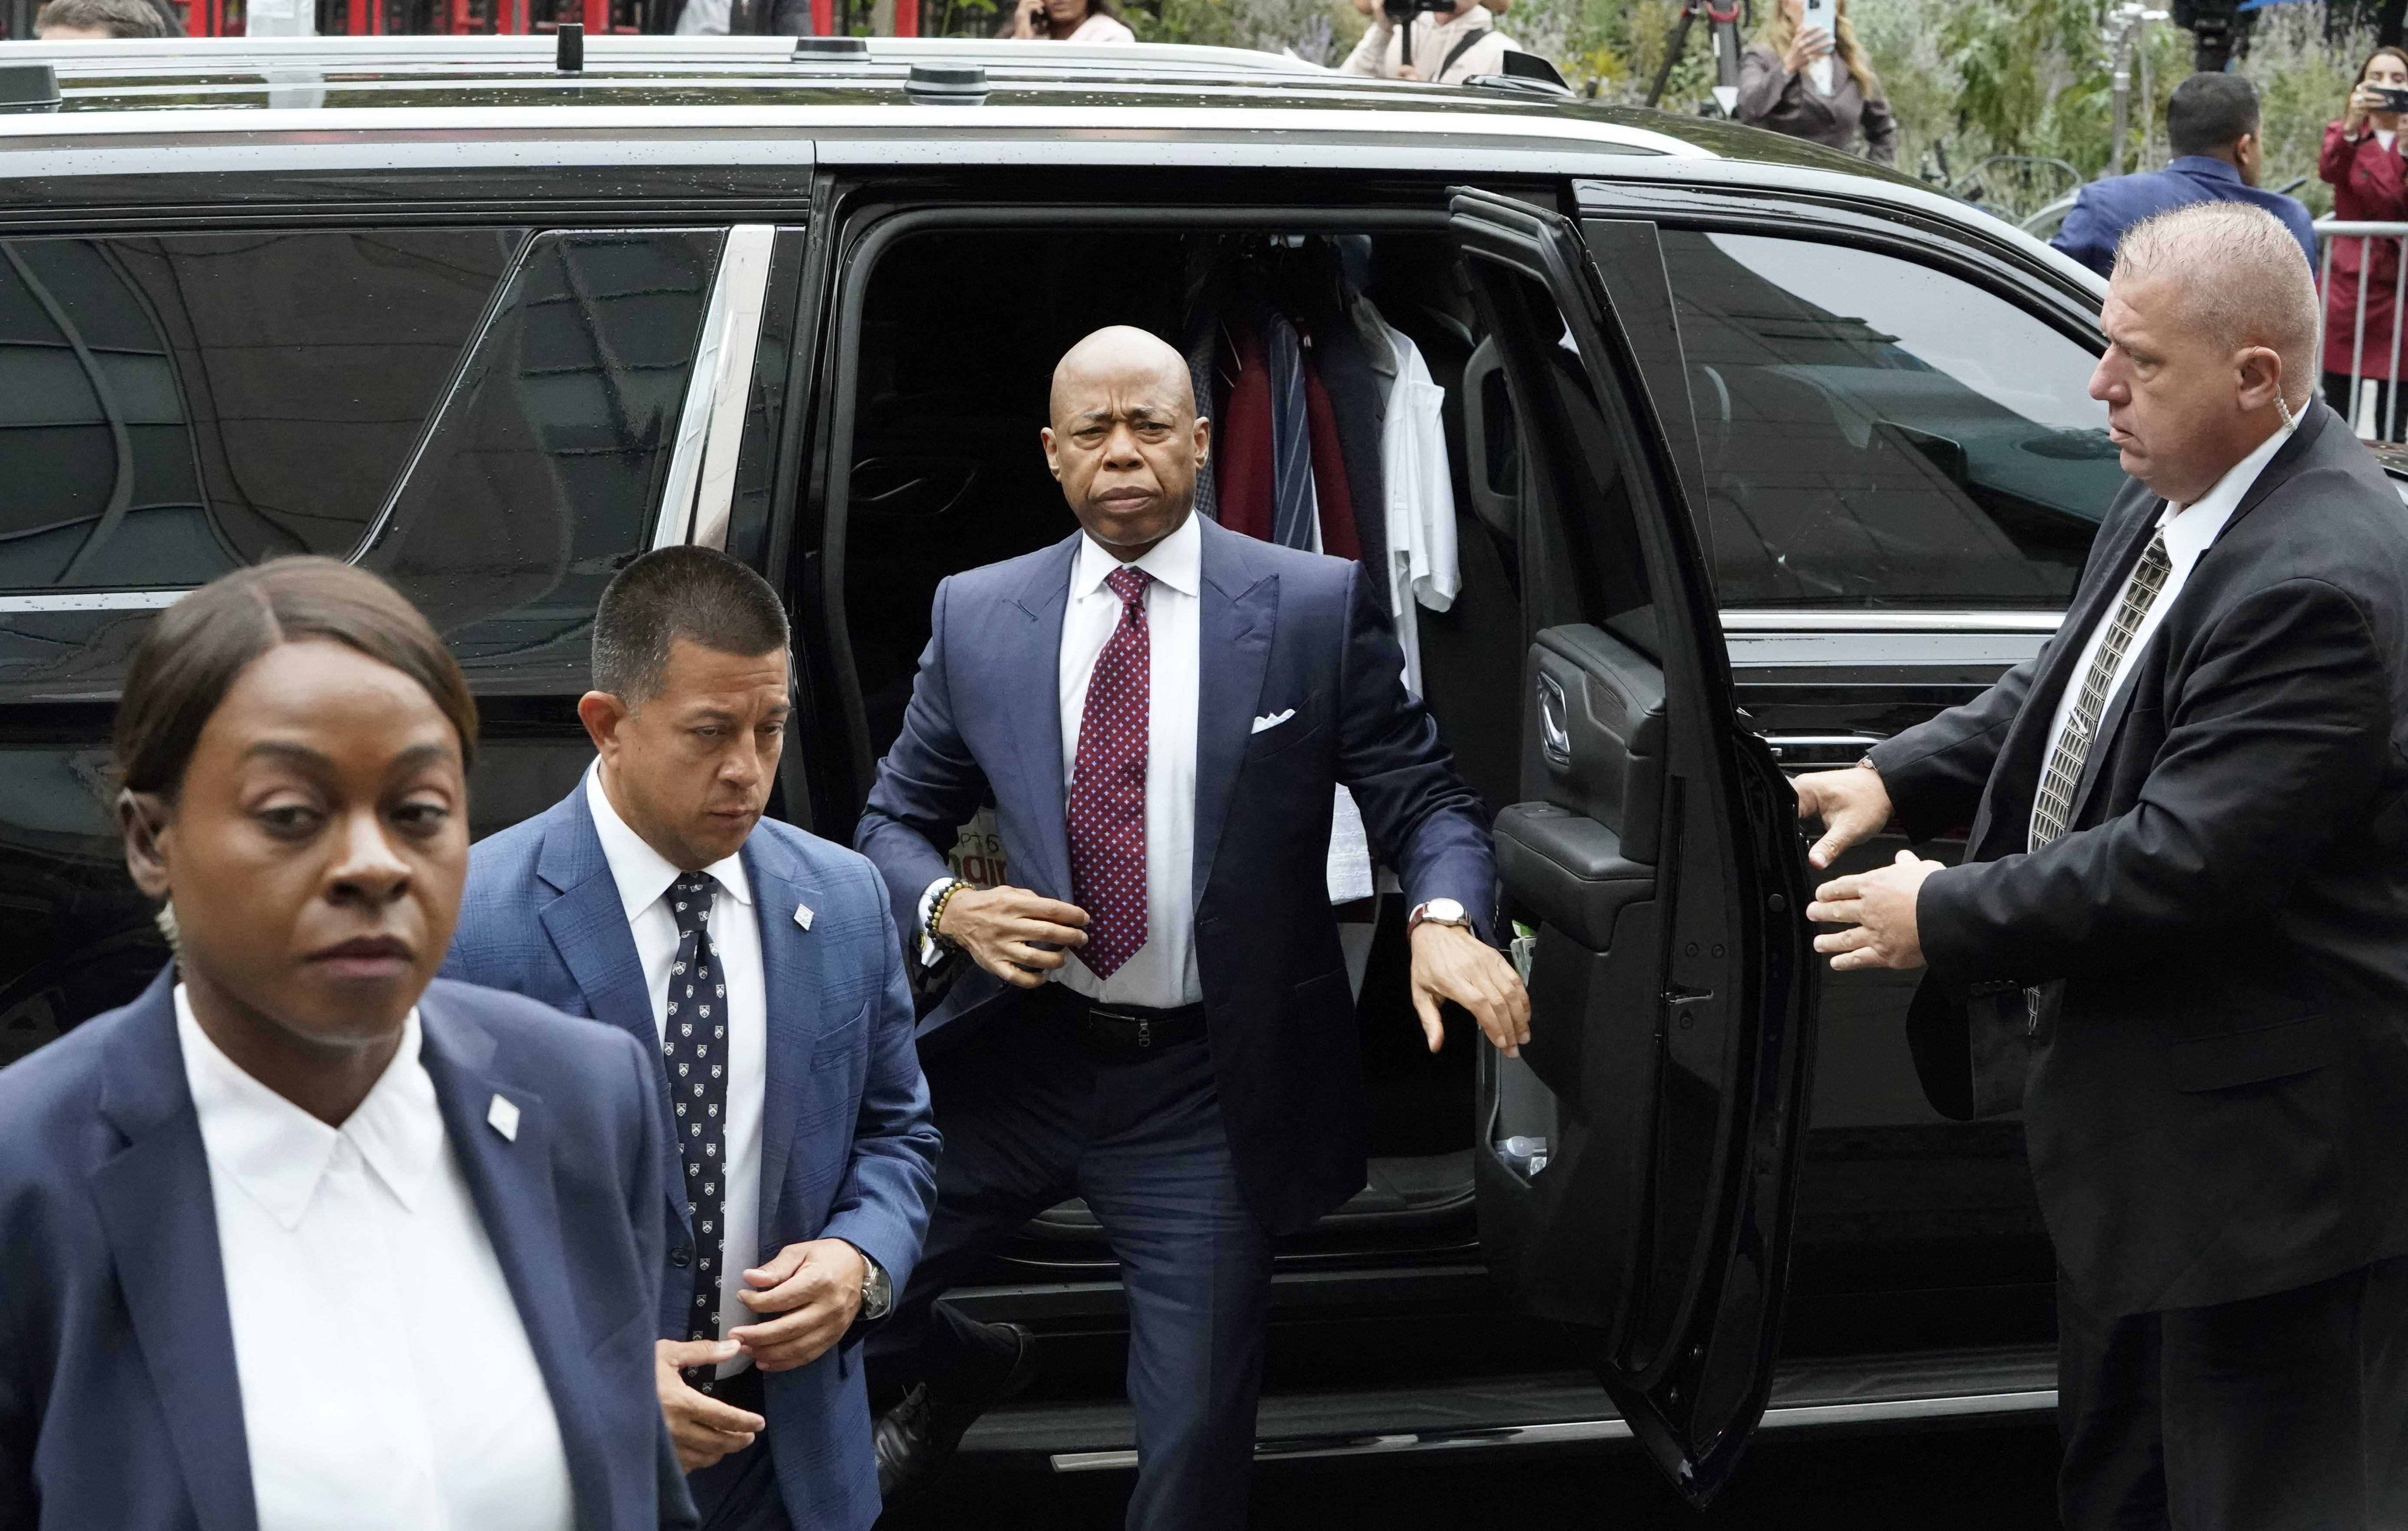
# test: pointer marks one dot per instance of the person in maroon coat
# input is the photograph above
(2362, 164)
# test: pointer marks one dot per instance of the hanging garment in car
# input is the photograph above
(1420, 494)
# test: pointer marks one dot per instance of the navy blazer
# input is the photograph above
(2219, 1075)
(120, 1404)
(1278, 630)
(2104, 209)
(847, 1148)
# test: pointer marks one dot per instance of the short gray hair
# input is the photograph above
(2244, 280)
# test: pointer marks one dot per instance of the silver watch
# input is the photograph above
(876, 1290)
(1438, 911)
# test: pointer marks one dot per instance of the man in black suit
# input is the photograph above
(2187, 882)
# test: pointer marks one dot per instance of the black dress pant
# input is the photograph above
(2280, 1412)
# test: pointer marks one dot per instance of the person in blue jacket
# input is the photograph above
(2212, 124)
(305, 1237)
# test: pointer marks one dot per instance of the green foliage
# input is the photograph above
(1319, 31)
(1968, 79)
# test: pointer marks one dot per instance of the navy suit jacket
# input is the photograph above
(1279, 629)
(847, 1148)
(120, 1404)
(2103, 210)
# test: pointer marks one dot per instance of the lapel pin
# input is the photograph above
(504, 1117)
(803, 915)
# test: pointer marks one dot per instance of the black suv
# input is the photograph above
(1758, 455)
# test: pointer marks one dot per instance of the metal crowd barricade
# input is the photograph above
(2375, 408)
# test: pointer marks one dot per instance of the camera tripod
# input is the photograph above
(1722, 18)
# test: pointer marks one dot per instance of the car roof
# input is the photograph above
(207, 80)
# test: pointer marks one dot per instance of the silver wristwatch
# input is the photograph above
(876, 1290)
(1438, 911)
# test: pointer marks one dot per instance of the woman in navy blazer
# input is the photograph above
(293, 746)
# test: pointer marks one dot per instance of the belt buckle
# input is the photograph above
(1144, 1027)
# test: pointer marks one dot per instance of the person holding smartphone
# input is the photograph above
(1070, 20)
(2361, 164)
(1808, 77)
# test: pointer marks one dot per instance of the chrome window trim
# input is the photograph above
(694, 501)
(1745, 620)
(93, 600)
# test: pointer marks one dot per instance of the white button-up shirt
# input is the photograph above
(1162, 972)
(2191, 530)
(387, 1381)
(643, 876)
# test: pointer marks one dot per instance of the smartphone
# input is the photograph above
(1819, 14)
(2392, 97)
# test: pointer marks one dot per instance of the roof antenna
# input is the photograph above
(570, 59)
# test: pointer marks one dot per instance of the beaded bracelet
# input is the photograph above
(937, 915)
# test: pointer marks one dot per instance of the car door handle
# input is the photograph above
(1795, 750)
(1554, 737)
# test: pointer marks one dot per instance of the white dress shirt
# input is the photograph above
(2190, 531)
(387, 1381)
(1162, 972)
(644, 876)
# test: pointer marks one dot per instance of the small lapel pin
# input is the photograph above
(803, 915)
(504, 1117)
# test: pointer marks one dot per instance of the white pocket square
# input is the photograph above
(1273, 720)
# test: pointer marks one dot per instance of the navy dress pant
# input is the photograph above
(1032, 1117)
(740, 1491)
(2287, 1412)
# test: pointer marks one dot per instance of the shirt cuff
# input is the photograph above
(930, 952)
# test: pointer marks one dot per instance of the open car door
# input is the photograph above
(1637, 1162)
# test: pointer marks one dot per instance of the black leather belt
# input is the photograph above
(1125, 1031)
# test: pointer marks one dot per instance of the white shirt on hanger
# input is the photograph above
(1420, 489)
(387, 1381)
(643, 877)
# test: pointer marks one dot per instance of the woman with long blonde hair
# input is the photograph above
(1794, 80)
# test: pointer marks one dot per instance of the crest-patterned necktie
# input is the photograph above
(2053, 809)
(693, 1046)
(1107, 810)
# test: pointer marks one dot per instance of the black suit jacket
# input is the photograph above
(2218, 1101)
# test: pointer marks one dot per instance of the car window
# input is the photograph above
(1878, 434)
(173, 407)
(542, 474)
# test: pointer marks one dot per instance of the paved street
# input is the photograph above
(1942, 1479)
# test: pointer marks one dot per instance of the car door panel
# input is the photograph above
(1636, 1165)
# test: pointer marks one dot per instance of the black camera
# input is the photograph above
(2392, 97)
(1402, 12)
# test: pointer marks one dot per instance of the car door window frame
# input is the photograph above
(2040, 295)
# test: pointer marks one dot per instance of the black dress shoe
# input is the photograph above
(916, 1438)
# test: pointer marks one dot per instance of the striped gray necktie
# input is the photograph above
(2054, 805)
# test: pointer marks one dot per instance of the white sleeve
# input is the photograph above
(930, 953)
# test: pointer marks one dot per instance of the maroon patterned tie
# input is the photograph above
(1106, 817)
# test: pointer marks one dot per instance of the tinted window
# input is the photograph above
(172, 408)
(1880, 433)
(543, 472)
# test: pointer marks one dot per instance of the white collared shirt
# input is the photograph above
(1162, 972)
(387, 1381)
(2191, 530)
(643, 876)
